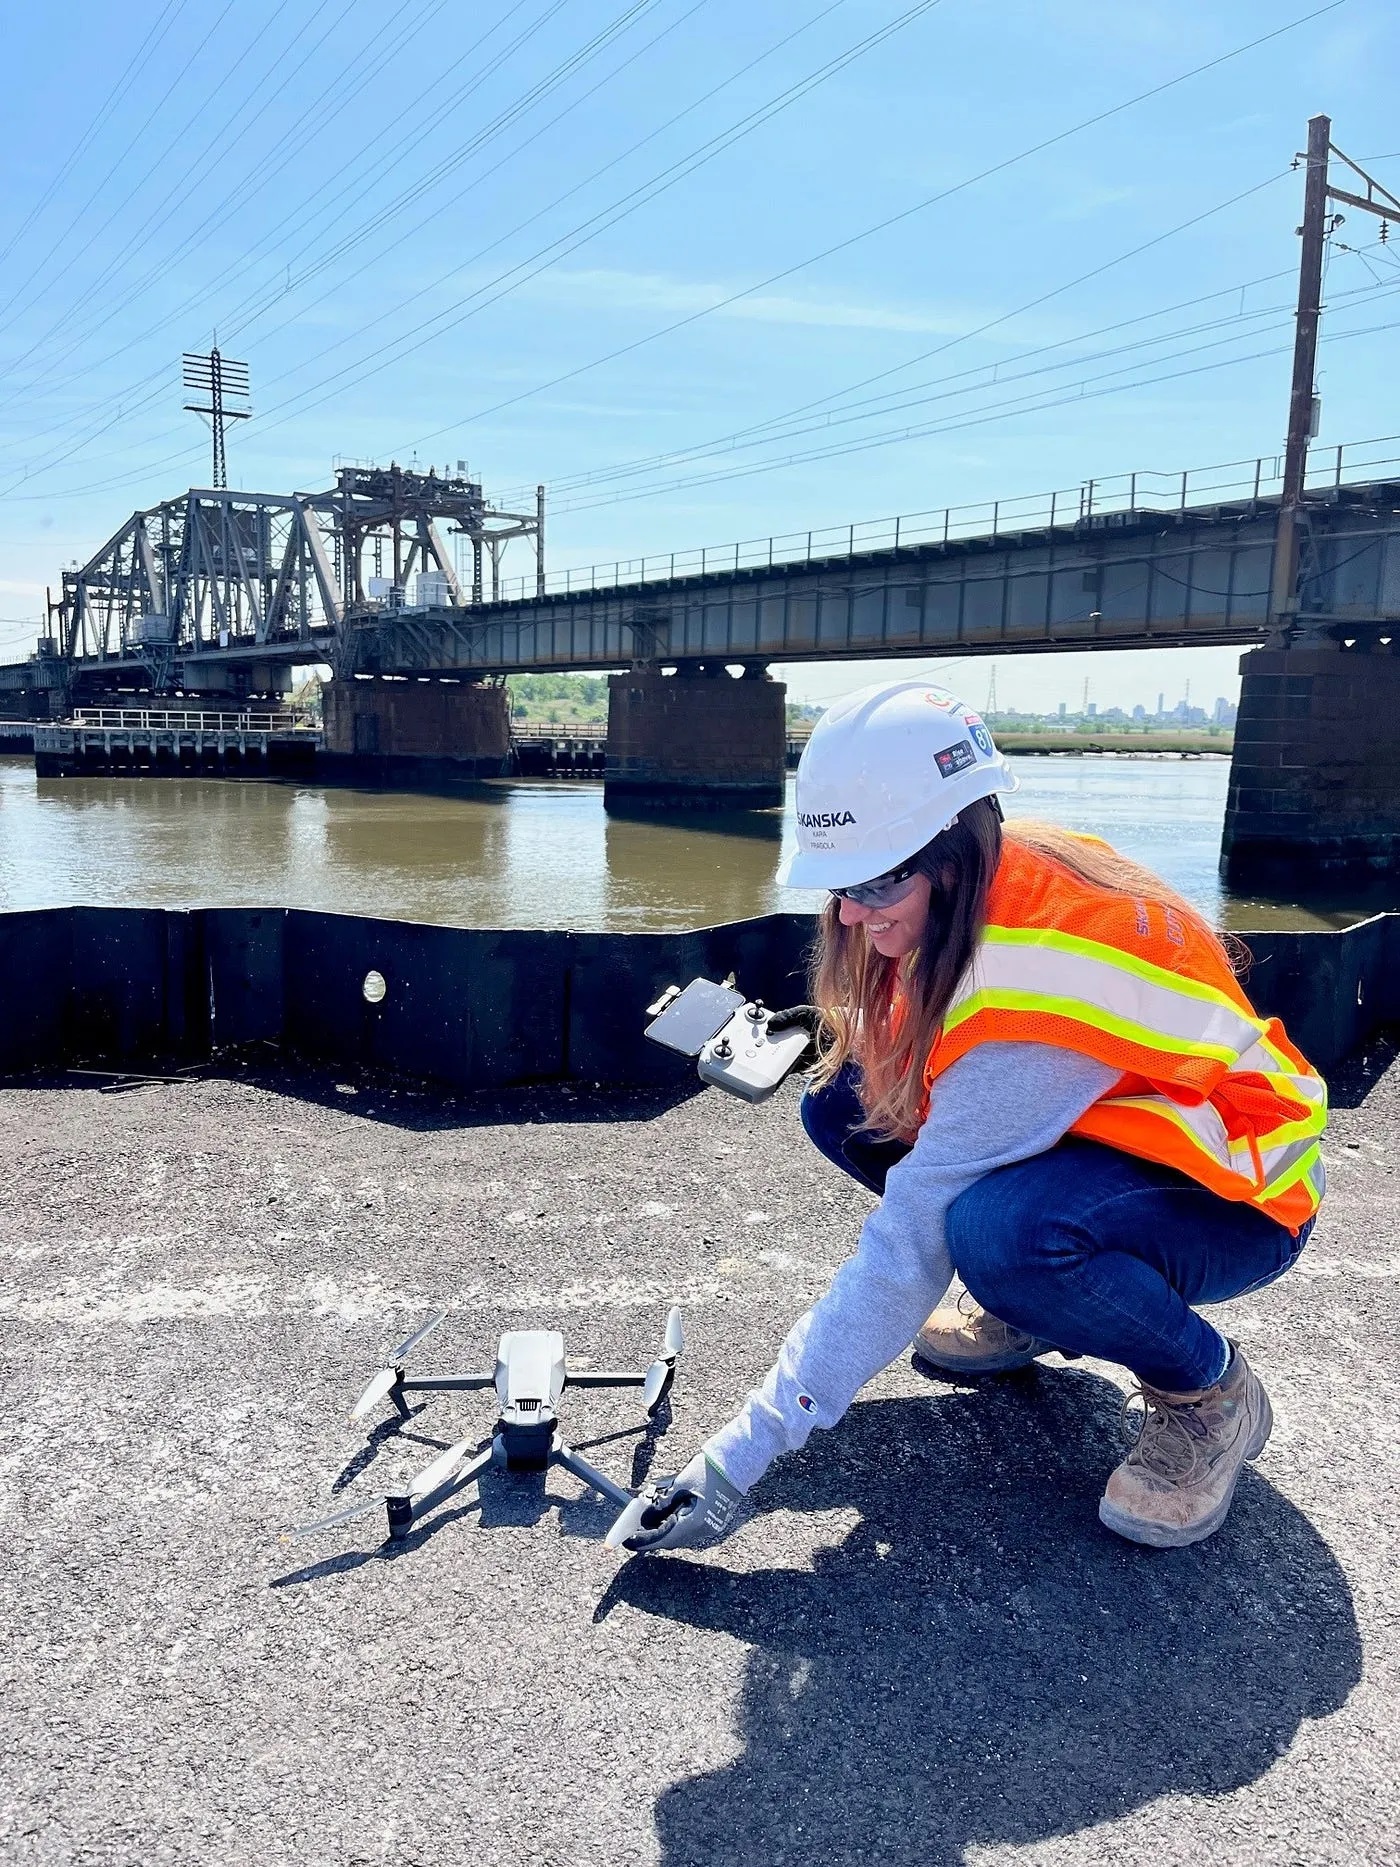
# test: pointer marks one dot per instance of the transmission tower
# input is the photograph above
(219, 377)
(991, 705)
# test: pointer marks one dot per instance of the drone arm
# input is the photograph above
(445, 1383)
(400, 1518)
(605, 1377)
(580, 1467)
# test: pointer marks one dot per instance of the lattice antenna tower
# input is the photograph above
(223, 381)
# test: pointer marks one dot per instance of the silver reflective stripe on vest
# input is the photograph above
(1080, 979)
(1203, 1125)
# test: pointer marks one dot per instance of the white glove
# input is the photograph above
(689, 1511)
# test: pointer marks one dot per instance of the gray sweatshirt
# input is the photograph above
(999, 1104)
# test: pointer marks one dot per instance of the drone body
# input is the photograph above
(530, 1378)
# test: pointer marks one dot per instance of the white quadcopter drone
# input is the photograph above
(530, 1377)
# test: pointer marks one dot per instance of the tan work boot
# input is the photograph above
(1176, 1483)
(964, 1338)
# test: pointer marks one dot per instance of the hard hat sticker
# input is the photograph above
(981, 738)
(954, 759)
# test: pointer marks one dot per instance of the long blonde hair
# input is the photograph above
(884, 1015)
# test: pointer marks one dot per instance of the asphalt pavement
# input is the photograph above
(921, 1648)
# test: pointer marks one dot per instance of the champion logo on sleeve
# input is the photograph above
(806, 1402)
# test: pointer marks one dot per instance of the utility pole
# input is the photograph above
(1317, 193)
(219, 377)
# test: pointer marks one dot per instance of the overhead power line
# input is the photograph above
(159, 29)
(236, 322)
(893, 220)
(192, 168)
(956, 424)
(336, 96)
(35, 272)
(396, 310)
(598, 223)
(344, 186)
(951, 343)
(1002, 373)
(801, 88)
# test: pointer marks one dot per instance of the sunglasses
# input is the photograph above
(886, 891)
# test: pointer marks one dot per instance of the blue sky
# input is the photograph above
(413, 220)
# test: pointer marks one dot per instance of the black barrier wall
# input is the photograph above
(474, 1009)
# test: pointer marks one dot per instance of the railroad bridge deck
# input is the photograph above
(1147, 561)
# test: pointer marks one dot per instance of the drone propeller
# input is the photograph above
(382, 1383)
(350, 1514)
(407, 1346)
(662, 1371)
(442, 1468)
(388, 1378)
(631, 1520)
(675, 1331)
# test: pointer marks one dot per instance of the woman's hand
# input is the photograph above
(799, 1017)
(695, 1508)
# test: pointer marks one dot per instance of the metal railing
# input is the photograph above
(1148, 492)
(540, 731)
(166, 720)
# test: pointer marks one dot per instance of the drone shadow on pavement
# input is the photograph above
(980, 1663)
(388, 1433)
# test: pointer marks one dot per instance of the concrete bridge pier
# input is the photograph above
(1315, 781)
(695, 739)
(389, 729)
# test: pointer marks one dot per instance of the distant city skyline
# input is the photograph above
(1038, 683)
(1221, 710)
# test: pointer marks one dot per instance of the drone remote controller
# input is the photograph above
(729, 1036)
(745, 1060)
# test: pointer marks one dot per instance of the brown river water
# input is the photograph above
(538, 853)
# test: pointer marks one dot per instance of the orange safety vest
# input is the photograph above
(1205, 1086)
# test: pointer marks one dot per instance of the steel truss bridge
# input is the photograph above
(218, 572)
(212, 592)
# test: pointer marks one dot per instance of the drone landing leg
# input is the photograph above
(404, 1512)
(572, 1461)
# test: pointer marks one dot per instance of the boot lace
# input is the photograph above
(1158, 1437)
(992, 1330)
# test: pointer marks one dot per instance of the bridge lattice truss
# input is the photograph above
(217, 569)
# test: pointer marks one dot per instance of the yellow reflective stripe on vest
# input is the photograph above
(1269, 1060)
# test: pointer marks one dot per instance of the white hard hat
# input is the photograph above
(885, 770)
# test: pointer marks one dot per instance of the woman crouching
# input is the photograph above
(1041, 1060)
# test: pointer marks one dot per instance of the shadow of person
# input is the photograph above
(979, 1661)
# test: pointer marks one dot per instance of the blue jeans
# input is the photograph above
(1087, 1248)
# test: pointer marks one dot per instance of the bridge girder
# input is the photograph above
(247, 578)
